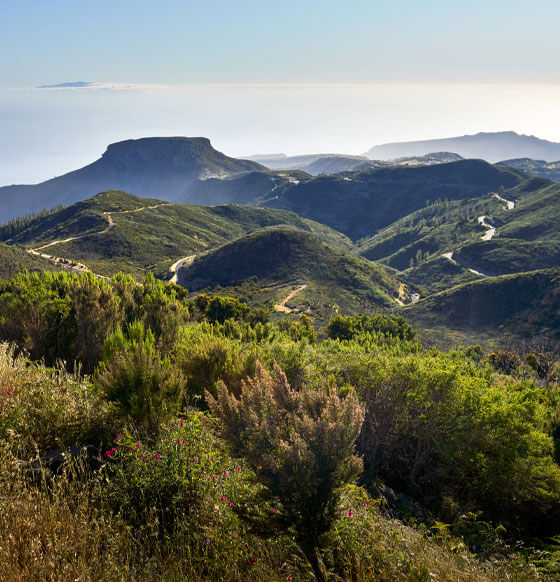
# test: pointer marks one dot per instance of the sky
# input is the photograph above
(263, 76)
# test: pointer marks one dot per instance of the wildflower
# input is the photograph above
(272, 510)
(288, 577)
(8, 393)
(108, 453)
(137, 445)
(224, 498)
(231, 504)
(364, 504)
(181, 422)
(118, 438)
(212, 478)
(350, 513)
(196, 459)
(255, 559)
(207, 542)
(156, 456)
(239, 468)
(143, 460)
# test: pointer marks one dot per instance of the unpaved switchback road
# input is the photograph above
(80, 267)
(488, 235)
(282, 305)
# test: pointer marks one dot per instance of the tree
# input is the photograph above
(301, 446)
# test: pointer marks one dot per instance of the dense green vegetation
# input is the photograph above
(224, 446)
(359, 204)
(13, 260)
(151, 239)
(522, 305)
(268, 264)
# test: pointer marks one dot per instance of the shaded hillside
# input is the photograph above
(151, 234)
(487, 146)
(359, 204)
(523, 305)
(13, 260)
(527, 237)
(266, 265)
(165, 167)
(541, 168)
(314, 164)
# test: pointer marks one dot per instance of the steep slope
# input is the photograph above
(117, 231)
(167, 167)
(14, 260)
(361, 203)
(488, 146)
(520, 305)
(527, 237)
(269, 264)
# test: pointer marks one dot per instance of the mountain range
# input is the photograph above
(490, 146)
(439, 237)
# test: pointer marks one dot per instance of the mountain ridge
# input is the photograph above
(490, 146)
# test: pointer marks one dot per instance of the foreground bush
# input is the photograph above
(300, 445)
(48, 408)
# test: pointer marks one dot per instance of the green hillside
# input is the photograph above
(149, 234)
(521, 305)
(13, 260)
(361, 203)
(267, 265)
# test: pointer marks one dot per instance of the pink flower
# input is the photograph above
(137, 445)
(196, 460)
(213, 478)
(350, 513)
(8, 393)
(118, 438)
(143, 460)
(239, 468)
(272, 510)
(181, 422)
(364, 504)
(224, 498)
(231, 504)
(108, 453)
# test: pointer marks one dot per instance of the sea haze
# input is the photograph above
(51, 130)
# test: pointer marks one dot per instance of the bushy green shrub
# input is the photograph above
(301, 446)
(48, 408)
(146, 387)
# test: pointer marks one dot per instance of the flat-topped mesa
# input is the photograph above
(176, 154)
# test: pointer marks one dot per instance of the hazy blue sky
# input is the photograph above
(258, 77)
(186, 41)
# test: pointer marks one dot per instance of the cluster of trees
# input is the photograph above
(458, 432)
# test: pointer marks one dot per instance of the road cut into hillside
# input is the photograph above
(282, 305)
(488, 235)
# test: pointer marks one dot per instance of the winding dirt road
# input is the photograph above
(71, 265)
(282, 305)
(488, 235)
(177, 265)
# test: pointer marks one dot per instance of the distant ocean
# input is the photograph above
(49, 131)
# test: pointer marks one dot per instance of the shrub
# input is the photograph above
(46, 408)
(300, 445)
(147, 388)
